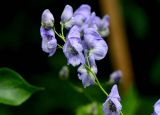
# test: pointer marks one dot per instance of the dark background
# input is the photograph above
(20, 50)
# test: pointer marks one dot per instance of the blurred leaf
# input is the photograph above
(155, 73)
(14, 90)
(90, 109)
(139, 21)
(136, 17)
(130, 102)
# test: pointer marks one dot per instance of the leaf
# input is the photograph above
(130, 101)
(14, 90)
(90, 109)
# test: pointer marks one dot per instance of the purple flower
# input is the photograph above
(102, 25)
(86, 76)
(81, 14)
(95, 44)
(73, 47)
(49, 43)
(156, 108)
(90, 22)
(47, 19)
(116, 76)
(112, 105)
(66, 17)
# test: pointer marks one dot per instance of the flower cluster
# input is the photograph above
(83, 45)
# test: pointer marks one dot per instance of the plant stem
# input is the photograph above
(62, 37)
(60, 46)
(121, 113)
(62, 26)
(98, 83)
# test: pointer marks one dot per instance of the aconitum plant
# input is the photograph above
(83, 46)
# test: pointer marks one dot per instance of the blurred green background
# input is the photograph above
(20, 50)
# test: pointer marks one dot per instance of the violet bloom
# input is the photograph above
(73, 47)
(81, 14)
(95, 43)
(112, 105)
(49, 43)
(102, 25)
(66, 17)
(90, 22)
(116, 76)
(47, 19)
(156, 108)
(86, 76)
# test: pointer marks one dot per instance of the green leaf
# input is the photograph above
(130, 101)
(14, 90)
(90, 109)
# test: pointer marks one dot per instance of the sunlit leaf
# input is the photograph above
(14, 90)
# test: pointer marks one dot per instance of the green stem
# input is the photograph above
(62, 37)
(62, 26)
(121, 113)
(87, 60)
(60, 46)
(98, 83)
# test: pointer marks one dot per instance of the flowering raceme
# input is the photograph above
(83, 46)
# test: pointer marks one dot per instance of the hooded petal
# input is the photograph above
(83, 10)
(112, 104)
(104, 27)
(73, 51)
(81, 14)
(47, 19)
(97, 46)
(49, 43)
(114, 92)
(74, 32)
(89, 22)
(67, 14)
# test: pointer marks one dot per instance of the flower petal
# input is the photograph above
(98, 47)
(67, 14)
(81, 14)
(74, 32)
(83, 10)
(87, 78)
(114, 92)
(73, 51)
(47, 19)
(49, 43)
